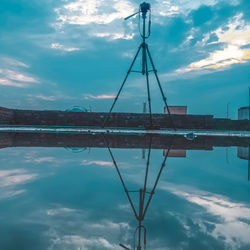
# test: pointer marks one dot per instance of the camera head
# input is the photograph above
(144, 8)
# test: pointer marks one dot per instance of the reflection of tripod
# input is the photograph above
(143, 206)
(144, 9)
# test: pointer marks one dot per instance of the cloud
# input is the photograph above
(45, 98)
(104, 96)
(59, 211)
(115, 36)
(81, 242)
(39, 159)
(11, 73)
(167, 8)
(233, 223)
(14, 177)
(101, 19)
(10, 181)
(84, 12)
(59, 46)
(109, 164)
(99, 163)
(94, 233)
(235, 35)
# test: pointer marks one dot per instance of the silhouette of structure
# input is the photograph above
(144, 10)
(143, 192)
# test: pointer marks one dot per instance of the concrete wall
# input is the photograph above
(129, 120)
(6, 115)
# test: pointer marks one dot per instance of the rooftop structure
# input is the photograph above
(243, 113)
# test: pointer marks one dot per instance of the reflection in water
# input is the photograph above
(143, 204)
(244, 153)
(60, 199)
(141, 232)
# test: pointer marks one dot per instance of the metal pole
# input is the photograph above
(118, 171)
(146, 174)
(148, 89)
(115, 100)
(159, 84)
(144, 15)
(156, 182)
(249, 162)
(140, 219)
(228, 110)
(249, 109)
(144, 50)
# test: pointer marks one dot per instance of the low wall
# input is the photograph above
(6, 116)
(125, 120)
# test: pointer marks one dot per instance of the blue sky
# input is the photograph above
(57, 54)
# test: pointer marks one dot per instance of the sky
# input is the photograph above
(65, 53)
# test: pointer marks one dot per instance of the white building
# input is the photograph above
(243, 113)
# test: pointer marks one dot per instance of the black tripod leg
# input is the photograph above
(146, 176)
(149, 99)
(159, 84)
(118, 172)
(157, 179)
(115, 100)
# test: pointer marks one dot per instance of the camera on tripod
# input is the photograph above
(144, 7)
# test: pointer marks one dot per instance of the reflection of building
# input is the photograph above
(175, 153)
(243, 113)
(243, 153)
(176, 110)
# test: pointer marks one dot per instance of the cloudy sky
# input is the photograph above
(57, 54)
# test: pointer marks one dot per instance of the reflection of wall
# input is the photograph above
(243, 113)
(119, 141)
(6, 140)
(243, 153)
(175, 153)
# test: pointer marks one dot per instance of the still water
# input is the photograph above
(74, 198)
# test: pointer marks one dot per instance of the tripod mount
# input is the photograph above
(143, 12)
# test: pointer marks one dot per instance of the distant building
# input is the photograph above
(243, 113)
(179, 153)
(176, 110)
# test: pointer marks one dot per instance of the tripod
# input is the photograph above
(144, 202)
(144, 9)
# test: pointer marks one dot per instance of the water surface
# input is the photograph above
(73, 198)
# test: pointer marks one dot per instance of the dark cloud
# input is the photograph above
(176, 31)
(202, 15)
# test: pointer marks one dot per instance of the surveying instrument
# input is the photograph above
(144, 12)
